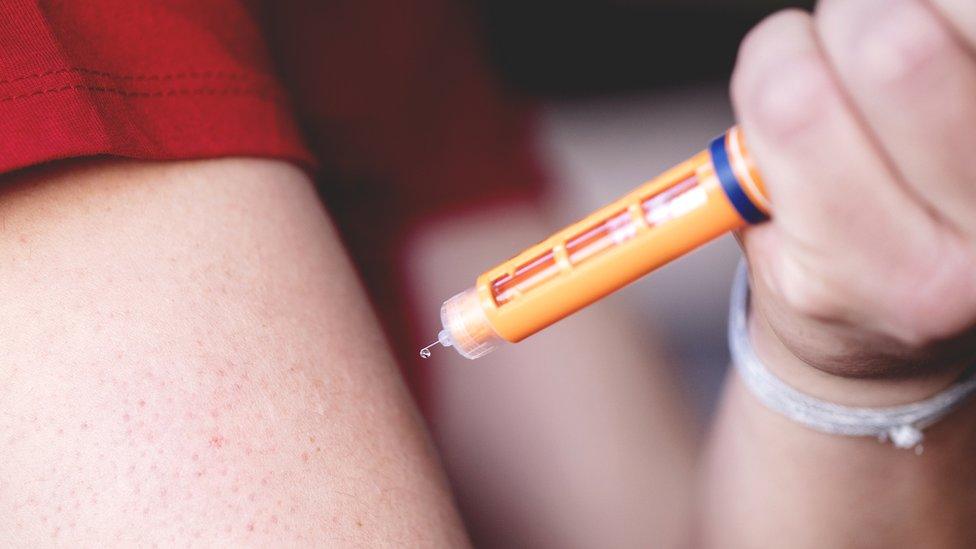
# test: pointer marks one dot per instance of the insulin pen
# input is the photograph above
(716, 191)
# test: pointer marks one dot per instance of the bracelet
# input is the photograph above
(902, 425)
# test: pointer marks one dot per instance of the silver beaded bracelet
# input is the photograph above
(902, 425)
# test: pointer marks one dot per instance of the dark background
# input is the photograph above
(572, 49)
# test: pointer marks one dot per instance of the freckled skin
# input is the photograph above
(139, 408)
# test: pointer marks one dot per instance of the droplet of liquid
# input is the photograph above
(425, 352)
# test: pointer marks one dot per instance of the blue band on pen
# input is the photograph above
(730, 183)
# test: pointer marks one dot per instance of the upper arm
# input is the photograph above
(186, 356)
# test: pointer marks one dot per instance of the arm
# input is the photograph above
(187, 358)
(769, 480)
(861, 120)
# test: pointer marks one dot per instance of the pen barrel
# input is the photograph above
(714, 192)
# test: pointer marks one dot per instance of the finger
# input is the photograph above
(838, 213)
(961, 15)
(914, 83)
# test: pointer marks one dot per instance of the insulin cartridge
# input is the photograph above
(716, 191)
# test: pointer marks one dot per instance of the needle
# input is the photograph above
(443, 338)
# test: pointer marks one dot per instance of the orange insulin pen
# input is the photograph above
(716, 191)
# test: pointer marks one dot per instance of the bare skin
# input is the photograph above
(861, 119)
(187, 358)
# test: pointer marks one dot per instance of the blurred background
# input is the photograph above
(453, 134)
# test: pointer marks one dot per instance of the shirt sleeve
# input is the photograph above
(139, 79)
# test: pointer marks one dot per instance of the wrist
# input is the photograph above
(849, 391)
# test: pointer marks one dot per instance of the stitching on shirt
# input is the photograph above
(214, 74)
(133, 93)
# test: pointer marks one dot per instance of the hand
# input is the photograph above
(862, 120)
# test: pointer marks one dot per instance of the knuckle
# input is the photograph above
(761, 41)
(787, 94)
(938, 301)
(917, 334)
(768, 31)
(899, 43)
(805, 294)
(802, 299)
(793, 97)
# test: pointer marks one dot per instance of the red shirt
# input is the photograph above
(394, 101)
(148, 80)
(392, 90)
